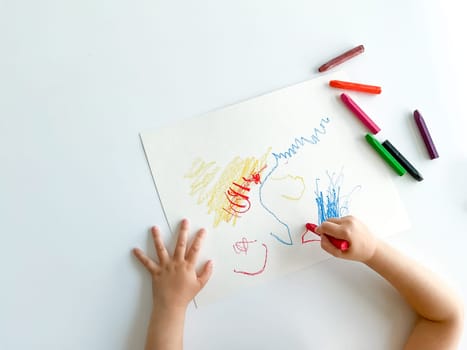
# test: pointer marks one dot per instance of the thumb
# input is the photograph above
(205, 274)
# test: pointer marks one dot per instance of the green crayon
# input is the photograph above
(378, 147)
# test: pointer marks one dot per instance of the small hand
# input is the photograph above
(175, 281)
(362, 244)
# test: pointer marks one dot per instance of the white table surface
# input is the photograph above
(80, 79)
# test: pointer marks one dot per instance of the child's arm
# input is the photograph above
(174, 284)
(440, 312)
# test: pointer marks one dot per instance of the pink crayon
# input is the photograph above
(360, 114)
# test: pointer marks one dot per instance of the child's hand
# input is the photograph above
(175, 281)
(362, 244)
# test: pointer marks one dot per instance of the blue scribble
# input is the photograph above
(292, 150)
(330, 204)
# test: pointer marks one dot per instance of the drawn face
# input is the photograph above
(258, 258)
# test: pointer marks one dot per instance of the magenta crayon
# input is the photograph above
(360, 114)
(430, 146)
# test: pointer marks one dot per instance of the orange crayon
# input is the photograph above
(347, 85)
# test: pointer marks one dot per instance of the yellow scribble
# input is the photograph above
(202, 174)
(294, 178)
(226, 194)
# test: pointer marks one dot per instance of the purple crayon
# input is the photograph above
(430, 146)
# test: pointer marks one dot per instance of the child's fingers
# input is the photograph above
(193, 252)
(329, 247)
(180, 248)
(205, 274)
(333, 229)
(161, 251)
(335, 220)
(148, 263)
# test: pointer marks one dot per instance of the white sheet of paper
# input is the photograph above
(255, 172)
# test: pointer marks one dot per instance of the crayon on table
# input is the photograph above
(341, 58)
(402, 160)
(360, 114)
(336, 242)
(347, 85)
(393, 163)
(430, 146)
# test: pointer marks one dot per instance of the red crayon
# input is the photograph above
(336, 242)
(342, 58)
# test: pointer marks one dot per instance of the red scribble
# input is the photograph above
(260, 270)
(243, 208)
(237, 194)
(305, 241)
(242, 246)
(242, 187)
(255, 177)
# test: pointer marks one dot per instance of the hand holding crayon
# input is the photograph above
(346, 238)
(338, 243)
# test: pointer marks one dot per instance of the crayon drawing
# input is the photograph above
(301, 159)
(279, 158)
(332, 203)
(242, 247)
(228, 196)
(296, 186)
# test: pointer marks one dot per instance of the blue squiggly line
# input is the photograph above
(333, 206)
(346, 200)
(329, 208)
(298, 143)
